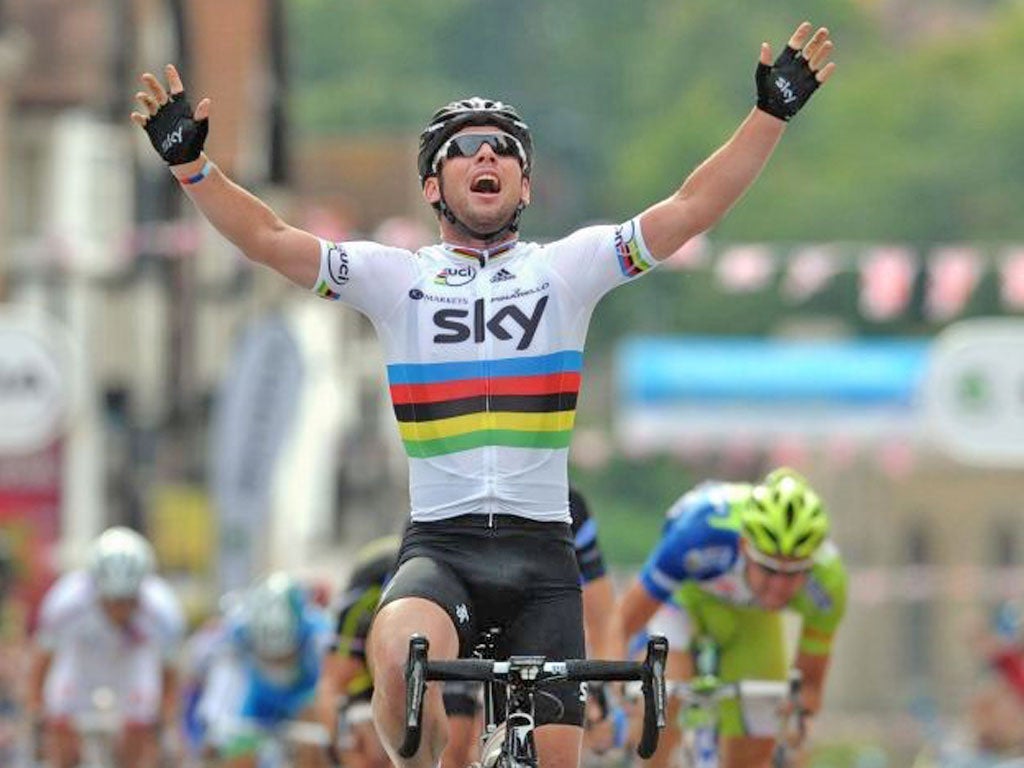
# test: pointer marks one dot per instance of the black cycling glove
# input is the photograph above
(784, 87)
(175, 135)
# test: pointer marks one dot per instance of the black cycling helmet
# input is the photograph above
(453, 117)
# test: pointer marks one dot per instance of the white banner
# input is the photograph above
(974, 392)
(256, 408)
(34, 385)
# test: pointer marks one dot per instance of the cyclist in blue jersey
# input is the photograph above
(732, 557)
(263, 673)
(483, 337)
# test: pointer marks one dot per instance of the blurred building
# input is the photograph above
(99, 237)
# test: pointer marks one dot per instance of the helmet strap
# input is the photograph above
(510, 227)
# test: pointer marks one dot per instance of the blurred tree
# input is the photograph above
(915, 139)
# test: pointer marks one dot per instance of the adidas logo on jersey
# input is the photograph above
(501, 275)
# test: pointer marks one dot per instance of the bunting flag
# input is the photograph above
(403, 232)
(811, 269)
(886, 282)
(745, 268)
(694, 254)
(953, 274)
(896, 458)
(789, 451)
(1011, 279)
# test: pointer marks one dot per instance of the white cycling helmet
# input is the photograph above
(119, 562)
(273, 616)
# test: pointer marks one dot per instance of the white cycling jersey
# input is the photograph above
(484, 356)
(90, 652)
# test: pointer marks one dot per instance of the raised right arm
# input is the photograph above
(251, 225)
(177, 135)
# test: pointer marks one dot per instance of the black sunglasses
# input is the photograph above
(468, 144)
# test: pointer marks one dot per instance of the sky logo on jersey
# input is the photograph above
(455, 276)
(627, 247)
(460, 327)
(519, 402)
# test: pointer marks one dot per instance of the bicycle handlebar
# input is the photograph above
(651, 672)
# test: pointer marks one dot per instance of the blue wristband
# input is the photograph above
(203, 173)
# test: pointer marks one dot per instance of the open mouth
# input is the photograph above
(486, 183)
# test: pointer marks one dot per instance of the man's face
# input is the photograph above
(483, 190)
(773, 587)
(119, 610)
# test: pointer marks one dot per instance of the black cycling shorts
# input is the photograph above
(508, 572)
(461, 698)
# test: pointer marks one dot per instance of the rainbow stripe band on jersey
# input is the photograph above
(323, 290)
(521, 402)
(630, 253)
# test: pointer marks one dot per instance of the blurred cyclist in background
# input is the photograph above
(263, 676)
(346, 683)
(1002, 646)
(991, 732)
(196, 659)
(108, 635)
(736, 555)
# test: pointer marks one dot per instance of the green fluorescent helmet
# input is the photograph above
(784, 517)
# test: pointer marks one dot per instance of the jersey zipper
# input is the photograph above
(488, 351)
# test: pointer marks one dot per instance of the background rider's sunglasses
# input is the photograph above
(775, 567)
(468, 144)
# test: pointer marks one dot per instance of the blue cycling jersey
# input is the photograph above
(270, 693)
(700, 542)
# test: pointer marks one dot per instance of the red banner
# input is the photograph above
(30, 500)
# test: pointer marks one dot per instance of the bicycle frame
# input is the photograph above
(702, 696)
(98, 730)
(523, 676)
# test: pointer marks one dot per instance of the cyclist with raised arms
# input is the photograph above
(113, 627)
(263, 674)
(483, 336)
(734, 556)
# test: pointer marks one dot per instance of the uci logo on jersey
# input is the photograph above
(455, 276)
(461, 324)
(337, 264)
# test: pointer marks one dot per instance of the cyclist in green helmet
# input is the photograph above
(732, 557)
